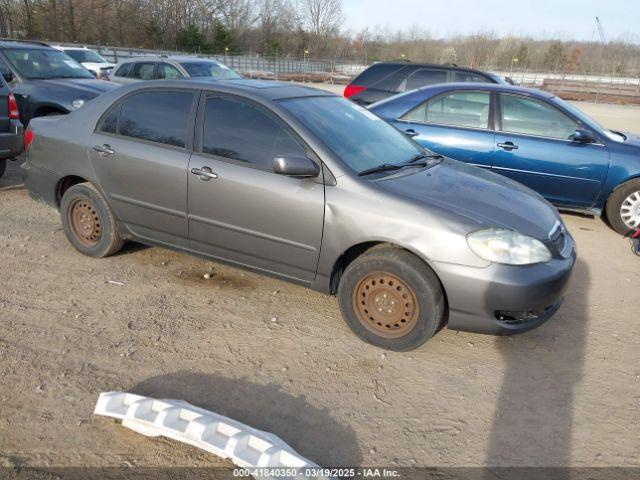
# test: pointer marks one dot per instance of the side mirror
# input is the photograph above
(582, 136)
(8, 76)
(295, 166)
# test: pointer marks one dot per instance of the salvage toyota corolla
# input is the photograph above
(304, 185)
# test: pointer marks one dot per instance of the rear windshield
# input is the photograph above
(375, 74)
(358, 137)
(209, 69)
(45, 64)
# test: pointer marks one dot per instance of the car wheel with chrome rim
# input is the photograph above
(623, 207)
(391, 298)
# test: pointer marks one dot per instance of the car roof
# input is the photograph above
(26, 44)
(447, 66)
(264, 89)
(494, 87)
(175, 58)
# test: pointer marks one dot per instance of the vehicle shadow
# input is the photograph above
(534, 414)
(12, 178)
(313, 433)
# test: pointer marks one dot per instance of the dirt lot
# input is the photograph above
(280, 358)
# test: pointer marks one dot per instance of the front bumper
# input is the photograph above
(504, 299)
(12, 142)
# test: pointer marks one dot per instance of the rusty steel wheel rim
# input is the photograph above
(85, 222)
(385, 305)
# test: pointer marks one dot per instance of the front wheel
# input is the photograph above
(623, 207)
(88, 221)
(391, 299)
(3, 167)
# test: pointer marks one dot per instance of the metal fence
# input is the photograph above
(251, 64)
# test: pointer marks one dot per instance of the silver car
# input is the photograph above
(304, 185)
(137, 69)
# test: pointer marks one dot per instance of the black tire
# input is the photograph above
(100, 237)
(407, 270)
(3, 167)
(615, 205)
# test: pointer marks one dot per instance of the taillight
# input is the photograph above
(28, 138)
(13, 107)
(352, 90)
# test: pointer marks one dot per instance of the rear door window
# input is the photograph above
(144, 70)
(462, 109)
(422, 78)
(168, 71)
(156, 116)
(470, 77)
(243, 132)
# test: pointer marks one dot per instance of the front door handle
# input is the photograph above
(104, 149)
(205, 173)
(508, 146)
(411, 133)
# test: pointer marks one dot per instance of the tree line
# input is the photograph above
(296, 28)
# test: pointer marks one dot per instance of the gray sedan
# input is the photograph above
(306, 186)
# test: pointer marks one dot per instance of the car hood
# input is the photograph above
(632, 139)
(74, 88)
(488, 199)
(97, 66)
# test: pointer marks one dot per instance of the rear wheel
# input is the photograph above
(88, 221)
(3, 167)
(391, 299)
(623, 207)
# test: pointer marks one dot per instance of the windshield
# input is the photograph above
(85, 56)
(209, 69)
(359, 138)
(45, 64)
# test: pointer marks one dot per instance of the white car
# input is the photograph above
(92, 61)
(136, 69)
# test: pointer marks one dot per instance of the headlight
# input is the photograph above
(77, 103)
(507, 246)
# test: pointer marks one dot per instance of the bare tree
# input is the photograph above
(322, 19)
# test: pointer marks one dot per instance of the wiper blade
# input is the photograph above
(385, 167)
(422, 156)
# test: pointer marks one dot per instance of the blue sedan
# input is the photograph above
(530, 136)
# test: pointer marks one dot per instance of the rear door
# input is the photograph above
(533, 147)
(242, 211)
(140, 151)
(457, 124)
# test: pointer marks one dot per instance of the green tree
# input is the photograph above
(222, 38)
(554, 57)
(191, 39)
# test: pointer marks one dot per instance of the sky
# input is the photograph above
(563, 19)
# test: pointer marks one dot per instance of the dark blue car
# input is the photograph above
(531, 136)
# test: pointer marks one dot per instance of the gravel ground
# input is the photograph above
(280, 358)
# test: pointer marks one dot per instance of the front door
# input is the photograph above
(533, 147)
(455, 124)
(140, 152)
(239, 209)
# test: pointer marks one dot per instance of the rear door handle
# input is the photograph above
(508, 146)
(205, 173)
(104, 150)
(411, 133)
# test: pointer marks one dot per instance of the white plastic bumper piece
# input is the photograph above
(245, 446)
